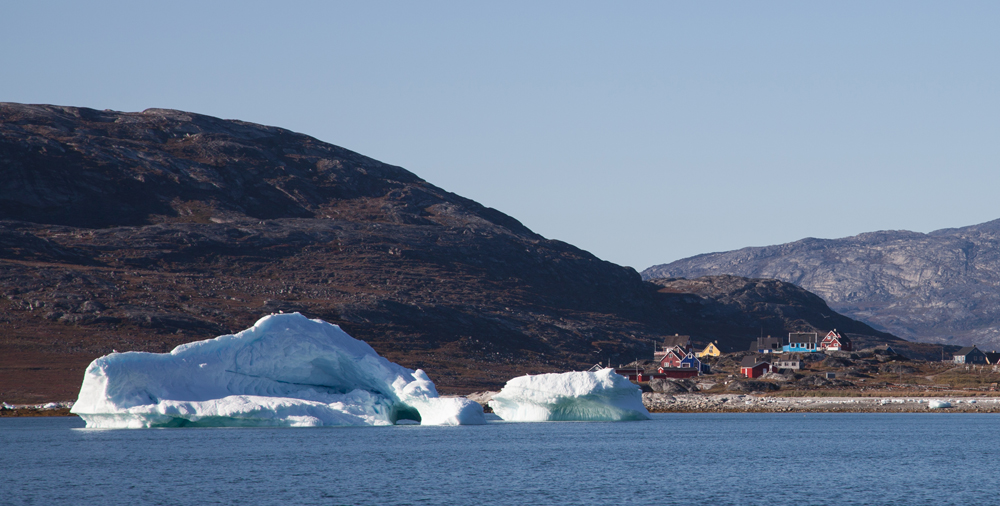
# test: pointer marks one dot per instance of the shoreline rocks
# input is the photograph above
(747, 403)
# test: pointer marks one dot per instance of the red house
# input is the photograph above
(753, 367)
(634, 374)
(672, 357)
(677, 372)
(670, 343)
(835, 342)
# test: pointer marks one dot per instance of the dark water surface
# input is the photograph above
(712, 459)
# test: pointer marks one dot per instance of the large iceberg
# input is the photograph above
(287, 370)
(570, 396)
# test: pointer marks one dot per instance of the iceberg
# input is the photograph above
(286, 370)
(570, 396)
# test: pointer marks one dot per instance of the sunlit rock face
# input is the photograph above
(571, 396)
(287, 370)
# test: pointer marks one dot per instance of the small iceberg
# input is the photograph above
(287, 370)
(571, 396)
(938, 404)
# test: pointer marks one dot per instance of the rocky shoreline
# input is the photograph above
(30, 410)
(712, 403)
(728, 403)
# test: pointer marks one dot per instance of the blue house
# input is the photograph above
(802, 342)
(690, 360)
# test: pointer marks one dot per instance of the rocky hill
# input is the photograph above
(939, 287)
(142, 231)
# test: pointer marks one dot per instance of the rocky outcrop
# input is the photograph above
(938, 287)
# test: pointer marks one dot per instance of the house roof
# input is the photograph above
(753, 361)
(765, 343)
(676, 351)
(802, 337)
(967, 350)
(632, 370)
(676, 340)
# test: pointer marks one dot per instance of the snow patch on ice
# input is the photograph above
(571, 396)
(287, 370)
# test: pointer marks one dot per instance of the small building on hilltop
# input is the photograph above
(754, 367)
(835, 342)
(802, 342)
(969, 355)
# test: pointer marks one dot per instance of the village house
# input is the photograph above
(754, 367)
(970, 355)
(692, 362)
(637, 374)
(710, 351)
(766, 345)
(802, 342)
(634, 374)
(671, 357)
(677, 358)
(787, 363)
(676, 372)
(835, 342)
(671, 342)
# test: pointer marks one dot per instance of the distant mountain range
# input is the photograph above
(941, 287)
(142, 231)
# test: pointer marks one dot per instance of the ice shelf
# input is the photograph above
(571, 396)
(287, 370)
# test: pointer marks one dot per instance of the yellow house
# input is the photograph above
(710, 351)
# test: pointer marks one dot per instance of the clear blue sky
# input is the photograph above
(643, 132)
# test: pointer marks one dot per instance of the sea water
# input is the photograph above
(713, 459)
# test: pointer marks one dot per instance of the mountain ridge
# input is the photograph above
(933, 287)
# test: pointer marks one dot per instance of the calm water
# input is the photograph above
(712, 459)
